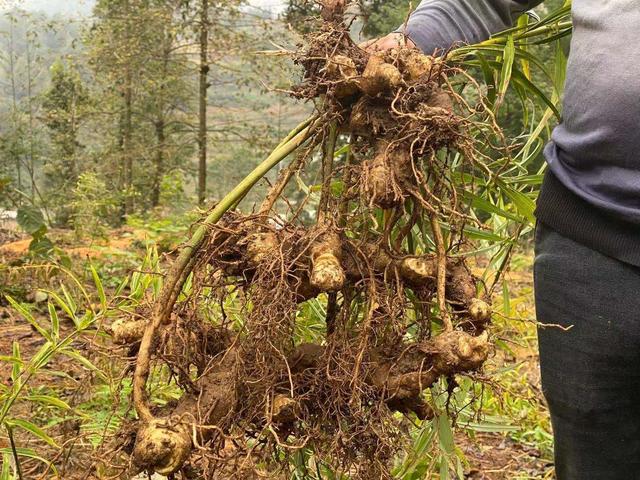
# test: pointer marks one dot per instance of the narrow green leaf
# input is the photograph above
(477, 234)
(69, 298)
(48, 400)
(560, 67)
(121, 286)
(519, 77)
(506, 300)
(77, 356)
(63, 305)
(488, 427)
(42, 356)
(33, 429)
(445, 434)
(488, 207)
(524, 205)
(28, 317)
(507, 68)
(99, 287)
(489, 79)
(29, 453)
(10, 359)
(444, 467)
(5, 474)
(16, 370)
(55, 322)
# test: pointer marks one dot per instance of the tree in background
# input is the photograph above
(21, 64)
(141, 101)
(203, 85)
(384, 16)
(65, 105)
(139, 63)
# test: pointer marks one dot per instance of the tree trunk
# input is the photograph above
(14, 97)
(159, 161)
(127, 159)
(160, 124)
(127, 122)
(204, 85)
(31, 165)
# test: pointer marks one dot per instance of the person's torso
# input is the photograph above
(596, 150)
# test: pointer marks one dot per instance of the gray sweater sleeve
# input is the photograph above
(437, 25)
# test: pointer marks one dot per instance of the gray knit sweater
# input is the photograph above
(593, 194)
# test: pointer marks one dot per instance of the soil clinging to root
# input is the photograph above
(398, 317)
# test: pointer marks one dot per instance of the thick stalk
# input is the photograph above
(184, 263)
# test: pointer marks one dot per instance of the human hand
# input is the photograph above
(392, 40)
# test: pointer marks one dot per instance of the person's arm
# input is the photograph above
(437, 25)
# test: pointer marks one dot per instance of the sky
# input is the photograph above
(83, 7)
(64, 7)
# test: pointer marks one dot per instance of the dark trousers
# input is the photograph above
(590, 373)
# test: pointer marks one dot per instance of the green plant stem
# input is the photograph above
(14, 451)
(183, 265)
(297, 130)
(462, 52)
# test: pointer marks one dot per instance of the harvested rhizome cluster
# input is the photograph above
(393, 322)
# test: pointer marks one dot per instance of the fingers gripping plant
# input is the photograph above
(387, 254)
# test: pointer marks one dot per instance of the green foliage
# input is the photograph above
(31, 220)
(128, 44)
(25, 371)
(92, 207)
(42, 381)
(382, 17)
(172, 191)
(64, 105)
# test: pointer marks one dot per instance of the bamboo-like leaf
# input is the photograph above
(16, 370)
(28, 317)
(63, 305)
(445, 434)
(33, 429)
(488, 207)
(29, 453)
(99, 287)
(77, 356)
(55, 322)
(561, 34)
(48, 400)
(528, 85)
(444, 467)
(507, 68)
(121, 286)
(560, 67)
(5, 474)
(523, 21)
(69, 298)
(42, 356)
(518, 76)
(489, 79)
(524, 205)
(506, 301)
(489, 427)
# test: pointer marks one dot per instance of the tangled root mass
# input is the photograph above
(396, 322)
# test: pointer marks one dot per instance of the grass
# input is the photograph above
(501, 427)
